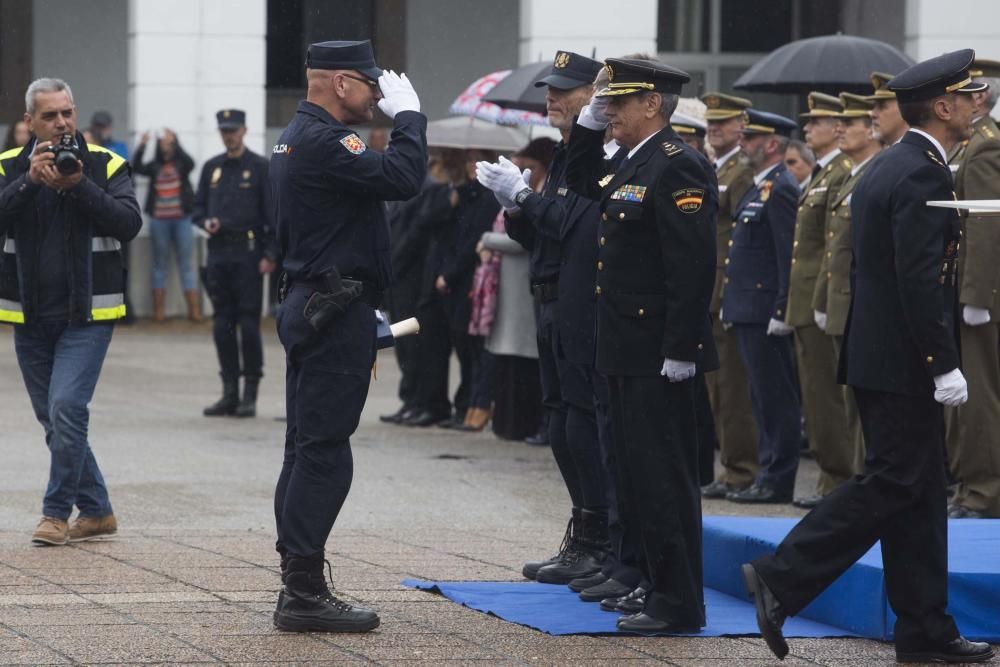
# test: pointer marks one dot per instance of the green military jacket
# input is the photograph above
(809, 245)
(735, 178)
(978, 177)
(833, 284)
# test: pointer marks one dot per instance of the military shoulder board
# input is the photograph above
(670, 149)
(988, 132)
(935, 158)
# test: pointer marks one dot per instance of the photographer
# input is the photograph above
(65, 209)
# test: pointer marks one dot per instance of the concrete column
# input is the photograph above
(186, 60)
(627, 26)
(933, 27)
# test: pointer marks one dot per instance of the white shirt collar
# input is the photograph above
(937, 144)
(804, 183)
(759, 177)
(640, 145)
(856, 168)
(828, 158)
(719, 162)
(610, 149)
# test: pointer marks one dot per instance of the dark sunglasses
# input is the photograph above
(371, 84)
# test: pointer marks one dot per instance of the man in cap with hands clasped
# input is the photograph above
(328, 190)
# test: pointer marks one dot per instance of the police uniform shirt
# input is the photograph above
(329, 190)
(238, 193)
(536, 226)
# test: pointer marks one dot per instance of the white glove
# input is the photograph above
(593, 116)
(504, 179)
(778, 328)
(951, 388)
(975, 317)
(397, 94)
(820, 319)
(675, 371)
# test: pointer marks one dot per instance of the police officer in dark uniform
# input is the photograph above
(900, 356)
(560, 229)
(233, 204)
(655, 272)
(329, 190)
(754, 298)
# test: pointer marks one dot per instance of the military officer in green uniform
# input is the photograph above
(888, 125)
(832, 297)
(822, 397)
(728, 388)
(974, 428)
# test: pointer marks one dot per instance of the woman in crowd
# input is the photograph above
(168, 203)
(18, 135)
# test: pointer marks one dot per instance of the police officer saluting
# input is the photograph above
(655, 272)
(233, 205)
(334, 238)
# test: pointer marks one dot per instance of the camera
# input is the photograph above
(68, 154)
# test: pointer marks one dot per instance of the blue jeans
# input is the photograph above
(60, 364)
(180, 235)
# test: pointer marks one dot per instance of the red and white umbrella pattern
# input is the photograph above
(470, 103)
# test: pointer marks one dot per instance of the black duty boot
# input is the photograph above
(229, 401)
(283, 553)
(248, 405)
(586, 553)
(531, 568)
(309, 606)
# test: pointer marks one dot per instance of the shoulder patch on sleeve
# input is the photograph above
(689, 200)
(353, 143)
(670, 149)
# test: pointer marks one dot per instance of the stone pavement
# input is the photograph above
(192, 577)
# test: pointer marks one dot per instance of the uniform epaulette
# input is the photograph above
(935, 158)
(670, 149)
(987, 132)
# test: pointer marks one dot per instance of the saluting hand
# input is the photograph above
(397, 94)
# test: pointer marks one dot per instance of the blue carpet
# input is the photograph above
(556, 610)
(857, 600)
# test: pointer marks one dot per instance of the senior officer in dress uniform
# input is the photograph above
(832, 297)
(822, 397)
(728, 388)
(974, 428)
(233, 204)
(887, 123)
(754, 303)
(901, 358)
(537, 221)
(329, 189)
(655, 270)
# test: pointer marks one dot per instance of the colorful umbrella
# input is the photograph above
(470, 103)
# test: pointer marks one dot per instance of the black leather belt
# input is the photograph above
(224, 239)
(545, 292)
(370, 293)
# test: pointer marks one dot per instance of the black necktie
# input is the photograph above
(816, 169)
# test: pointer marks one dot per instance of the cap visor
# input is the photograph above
(974, 87)
(560, 82)
(230, 125)
(372, 73)
(609, 92)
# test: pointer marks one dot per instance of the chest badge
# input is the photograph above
(246, 174)
(688, 200)
(353, 143)
(604, 181)
(216, 175)
(765, 190)
(632, 193)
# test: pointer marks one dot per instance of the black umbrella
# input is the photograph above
(829, 64)
(517, 90)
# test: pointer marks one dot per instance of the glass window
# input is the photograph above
(755, 26)
(696, 86)
(684, 25)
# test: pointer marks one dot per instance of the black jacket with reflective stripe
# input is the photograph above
(101, 213)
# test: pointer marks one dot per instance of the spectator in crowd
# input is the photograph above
(800, 161)
(18, 134)
(169, 202)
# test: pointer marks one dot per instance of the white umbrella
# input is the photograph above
(466, 133)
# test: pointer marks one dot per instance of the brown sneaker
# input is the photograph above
(93, 528)
(51, 532)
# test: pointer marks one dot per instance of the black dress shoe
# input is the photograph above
(957, 650)
(644, 624)
(540, 439)
(454, 422)
(609, 589)
(425, 418)
(759, 494)
(632, 603)
(770, 616)
(395, 418)
(583, 583)
(718, 489)
(808, 502)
